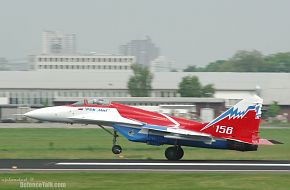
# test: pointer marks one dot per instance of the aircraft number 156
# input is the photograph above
(224, 129)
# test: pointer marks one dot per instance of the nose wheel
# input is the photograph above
(116, 149)
(174, 153)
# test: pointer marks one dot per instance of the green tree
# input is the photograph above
(208, 90)
(219, 65)
(273, 109)
(279, 62)
(191, 87)
(247, 61)
(191, 68)
(139, 84)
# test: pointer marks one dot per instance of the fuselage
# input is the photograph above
(228, 131)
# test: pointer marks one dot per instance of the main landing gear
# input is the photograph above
(116, 149)
(174, 153)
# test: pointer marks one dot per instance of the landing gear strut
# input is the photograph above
(116, 149)
(174, 153)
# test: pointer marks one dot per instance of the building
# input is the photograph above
(145, 50)
(83, 62)
(44, 87)
(54, 42)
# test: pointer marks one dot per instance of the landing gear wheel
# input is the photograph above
(174, 153)
(116, 149)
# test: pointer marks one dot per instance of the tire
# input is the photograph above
(180, 153)
(116, 149)
(174, 153)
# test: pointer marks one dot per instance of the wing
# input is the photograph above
(177, 133)
(104, 118)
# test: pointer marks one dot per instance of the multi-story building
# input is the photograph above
(54, 42)
(145, 50)
(84, 62)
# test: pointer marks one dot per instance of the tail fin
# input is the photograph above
(239, 123)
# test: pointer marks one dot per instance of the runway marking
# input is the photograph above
(165, 164)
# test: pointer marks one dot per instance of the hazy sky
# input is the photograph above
(189, 31)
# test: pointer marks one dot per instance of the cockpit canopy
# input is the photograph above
(95, 101)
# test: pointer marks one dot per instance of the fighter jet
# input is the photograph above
(235, 129)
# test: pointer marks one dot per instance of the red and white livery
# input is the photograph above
(236, 129)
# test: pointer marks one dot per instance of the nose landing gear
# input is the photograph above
(174, 153)
(116, 149)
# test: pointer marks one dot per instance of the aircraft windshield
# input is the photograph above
(96, 101)
(99, 101)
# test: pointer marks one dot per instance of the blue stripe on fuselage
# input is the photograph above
(133, 134)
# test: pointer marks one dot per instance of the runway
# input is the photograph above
(64, 165)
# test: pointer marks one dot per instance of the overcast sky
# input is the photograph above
(190, 32)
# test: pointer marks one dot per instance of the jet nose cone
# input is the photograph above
(35, 114)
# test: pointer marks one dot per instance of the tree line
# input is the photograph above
(247, 61)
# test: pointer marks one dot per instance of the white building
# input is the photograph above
(84, 62)
(54, 42)
(40, 87)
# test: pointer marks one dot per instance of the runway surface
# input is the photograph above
(144, 165)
